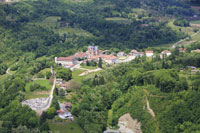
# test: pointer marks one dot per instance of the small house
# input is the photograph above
(149, 53)
(165, 53)
(59, 81)
(120, 54)
(182, 50)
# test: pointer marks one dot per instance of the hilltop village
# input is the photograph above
(95, 54)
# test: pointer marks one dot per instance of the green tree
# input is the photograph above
(100, 63)
(64, 73)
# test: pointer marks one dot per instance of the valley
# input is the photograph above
(99, 66)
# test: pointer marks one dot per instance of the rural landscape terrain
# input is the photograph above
(99, 66)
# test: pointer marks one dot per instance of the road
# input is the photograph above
(7, 71)
(39, 111)
(182, 40)
(51, 95)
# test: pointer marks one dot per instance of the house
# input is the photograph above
(65, 115)
(195, 71)
(165, 53)
(66, 61)
(192, 67)
(63, 86)
(134, 53)
(144, 25)
(59, 81)
(68, 105)
(80, 55)
(141, 53)
(120, 54)
(182, 50)
(109, 59)
(149, 53)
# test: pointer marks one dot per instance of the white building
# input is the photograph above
(120, 54)
(149, 53)
(66, 61)
(165, 53)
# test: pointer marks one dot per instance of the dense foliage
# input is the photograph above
(125, 88)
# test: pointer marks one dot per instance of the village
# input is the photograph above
(76, 61)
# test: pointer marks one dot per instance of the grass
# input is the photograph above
(44, 83)
(195, 22)
(65, 127)
(38, 93)
(196, 37)
(89, 67)
(187, 30)
(76, 73)
(48, 22)
(119, 20)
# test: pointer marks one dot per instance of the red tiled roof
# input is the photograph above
(69, 58)
(148, 51)
(108, 57)
(166, 51)
(182, 49)
(134, 51)
(80, 55)
(68, 104)
(63, 85)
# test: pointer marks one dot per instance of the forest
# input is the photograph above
(173, 94)
(29, 44)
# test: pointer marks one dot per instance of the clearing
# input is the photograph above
(64, 127)
(38, 93)
(129, 125)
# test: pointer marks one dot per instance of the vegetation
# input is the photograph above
(182, 22)
(125, 88)
(32, 33)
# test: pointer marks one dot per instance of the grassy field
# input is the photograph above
(49, 22)
(119, 20)
(89, 67)
(187, 30)
(76, 73)
(195, 22)
(65, 127)
(38, 93)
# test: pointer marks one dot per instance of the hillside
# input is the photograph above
(157, 93)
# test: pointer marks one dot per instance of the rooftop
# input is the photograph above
(69, 58)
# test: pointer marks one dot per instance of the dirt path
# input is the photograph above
(149, 108)
(89, 71)
(7, 71)
(129, 125)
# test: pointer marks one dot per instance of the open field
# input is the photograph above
(38, 93)
(65, 127)
(195, 22)
(76, 73)
(89, 67)
(187, 30)
(49, 22)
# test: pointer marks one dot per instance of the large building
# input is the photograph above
(92, 51)
(66, 61)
